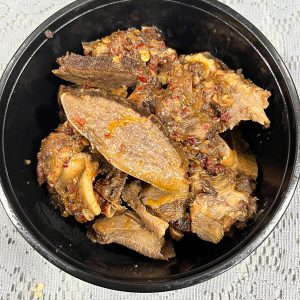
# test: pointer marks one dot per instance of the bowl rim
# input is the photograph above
(191, 278)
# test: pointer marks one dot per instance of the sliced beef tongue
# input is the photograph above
(100, 72)
(130, 142)
(127, 229)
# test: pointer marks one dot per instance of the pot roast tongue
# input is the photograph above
(129, 141)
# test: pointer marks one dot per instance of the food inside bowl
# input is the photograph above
(148, 149)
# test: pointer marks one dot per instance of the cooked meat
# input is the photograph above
(238, 159)
(56, 151)
(138, 109)
(145, 47)
(110, 189)
(145, 95)
(168, 207)
(236, 98)
(75, 186)
(69, 173)
(130, 142)
(212, 214)
(131, 196)
(183, 224)
(186, 118)
(101, 72)
(128, 230)
(206, 227)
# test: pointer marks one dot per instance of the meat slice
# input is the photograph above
(131, 196)
(69, 173)
(100, 72)
(110, 189)
(128, 230)
(234, 97)
(130, 142)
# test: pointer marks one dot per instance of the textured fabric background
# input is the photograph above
(271, 272)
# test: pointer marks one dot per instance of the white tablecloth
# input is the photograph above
(271, 272)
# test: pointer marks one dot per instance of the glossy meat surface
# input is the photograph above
(129, 141)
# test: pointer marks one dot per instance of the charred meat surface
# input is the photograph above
(149, 146)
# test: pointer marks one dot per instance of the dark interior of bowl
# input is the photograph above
(29, 111)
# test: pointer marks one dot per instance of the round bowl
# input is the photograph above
(28, 113)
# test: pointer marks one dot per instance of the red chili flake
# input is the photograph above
(225, 117)
(79, 121)
(65, 164)
(185, 110)
(218, 169)
(142, 79)
(213, 169)
(122, 148)
(140, 45)
(203, 162)
(206, 127)
(175, 135)
(69, 131)
(107, 134)
(191, 140)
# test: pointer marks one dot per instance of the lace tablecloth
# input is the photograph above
(271, 272)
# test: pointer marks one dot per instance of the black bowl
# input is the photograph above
(28, 113)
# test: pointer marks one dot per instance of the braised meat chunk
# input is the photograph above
(70, 172)
(110, 189)
(128, 230)
(149, 149)
(213, 214)
(234, 97)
